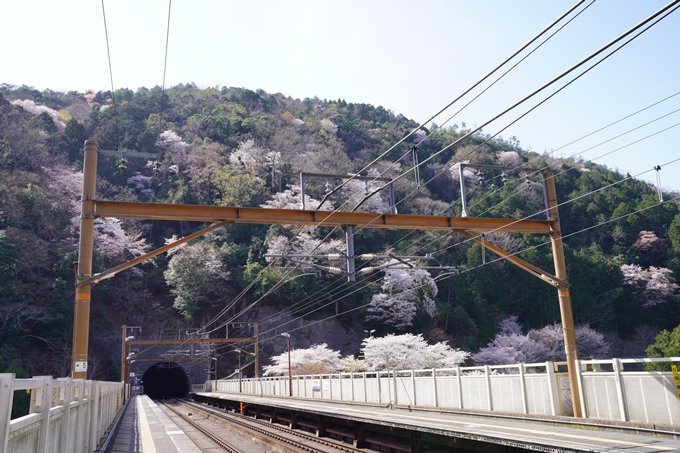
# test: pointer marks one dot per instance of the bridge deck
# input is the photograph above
(146, 429)
(533, 435)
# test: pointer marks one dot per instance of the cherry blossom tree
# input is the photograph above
(509, 159)
(407, 352)
(31, 106)
(315, 359)
(305, 240)
(652, 286)
(351, 364)
(197, 276)
(405, 291)
(175, 148)
(141, 184)
(539, 345)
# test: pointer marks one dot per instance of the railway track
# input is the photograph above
(274, 436)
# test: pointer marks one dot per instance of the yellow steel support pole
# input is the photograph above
(566, 311)
(81, 314)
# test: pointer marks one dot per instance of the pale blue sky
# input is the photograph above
(410, 57)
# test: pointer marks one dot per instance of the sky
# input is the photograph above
(410, 57)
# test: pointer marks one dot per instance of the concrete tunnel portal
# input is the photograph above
(166, 380)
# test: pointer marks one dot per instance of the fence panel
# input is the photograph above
(59, 421)
(523, 389)
(651, 397)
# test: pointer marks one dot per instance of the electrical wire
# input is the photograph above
(467, 91)
(587, 59)
(663, 12)
(165, 66)
(113, 93)
(513, 55)
(674, 199)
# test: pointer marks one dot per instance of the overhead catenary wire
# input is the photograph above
(165, 66)
(613, 184)
(489, 262)
(113, 93)
(663, 12)
(475, 85)
(618, 39)
(559, 19)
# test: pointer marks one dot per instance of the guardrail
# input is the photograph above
(66, 415)
(607, 391)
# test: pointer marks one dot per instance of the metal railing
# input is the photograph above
(65, 415)
(607, 390)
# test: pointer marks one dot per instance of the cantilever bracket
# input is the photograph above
(530, 268)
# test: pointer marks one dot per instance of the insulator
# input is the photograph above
(365, 270)
(333, 256)
(334, 270)
(365, 188)
(328, 186)
(366, 257)
(480, 177)
(504, 178)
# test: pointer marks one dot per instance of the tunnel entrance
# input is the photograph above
(166, 380)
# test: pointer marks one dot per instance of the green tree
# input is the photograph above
(198, 277)
(667, 344)
(22, 400)
(236, 188)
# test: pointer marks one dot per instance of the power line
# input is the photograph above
(113, 94)
(165, 65)
(662, 12)
(559, 77)
(517, 52)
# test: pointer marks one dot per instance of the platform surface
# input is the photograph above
(524, 434)
(145, 428)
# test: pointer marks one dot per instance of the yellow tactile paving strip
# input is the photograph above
(144, 431)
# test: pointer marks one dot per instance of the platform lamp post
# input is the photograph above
(215, 386)
(239, 370)
(290, 374)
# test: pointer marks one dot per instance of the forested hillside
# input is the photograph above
(237, 147)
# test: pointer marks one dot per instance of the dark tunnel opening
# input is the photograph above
(166, 380)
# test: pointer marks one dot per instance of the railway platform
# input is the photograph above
(463, 431)
(145, 428)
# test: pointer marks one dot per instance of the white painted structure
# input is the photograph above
(66, 415)
(607, 390)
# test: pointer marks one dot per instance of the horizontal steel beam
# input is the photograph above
(194, 213)
(193, 340)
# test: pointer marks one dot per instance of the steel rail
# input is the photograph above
(267, 428)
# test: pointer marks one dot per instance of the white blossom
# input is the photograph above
(315, 359)
(329, 126)
(652, 286)
(32, 107)
(173, 145)
(408, 351)
(509, 159)
(141, 183)
(405, 290)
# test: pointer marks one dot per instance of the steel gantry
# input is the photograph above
(93, 208)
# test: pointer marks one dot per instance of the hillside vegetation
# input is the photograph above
(237, 147)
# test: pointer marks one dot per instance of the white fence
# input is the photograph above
(607, 391)
(66, 415)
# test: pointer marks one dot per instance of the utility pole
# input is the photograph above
(81, 314)
(215, 386)
(566, 311)
(257, 353)
(290, 374)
